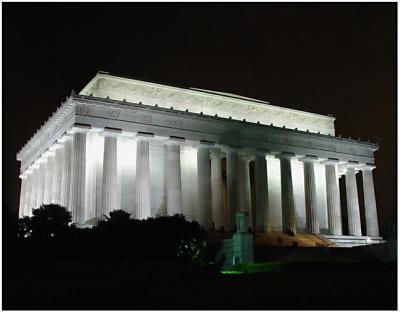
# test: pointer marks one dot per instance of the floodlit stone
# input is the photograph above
(118, 145)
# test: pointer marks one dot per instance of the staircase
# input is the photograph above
(276, 239)
(299, 240)
(352, 241)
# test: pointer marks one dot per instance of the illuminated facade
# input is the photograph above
(153, 150)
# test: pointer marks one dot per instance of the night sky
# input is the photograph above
(324, 58)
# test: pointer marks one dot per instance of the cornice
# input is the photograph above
(41, 137)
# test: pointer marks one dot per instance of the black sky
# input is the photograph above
(337, 58)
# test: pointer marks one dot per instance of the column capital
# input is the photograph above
(43, 158)
(309, 158)
(23, 176)
(143, 136)
(246, 155)
(285, 155)
(79, 128)
(66, 137)
(205, 144)
(128, 134)
(56, 146)
(35, 165)
(351, 166)
(111, 132)
(262, 152)
(367, 167)
(174, 141)
(231, 148)
(41, 161)
(27, 172)
(216, 153)
(48, 153)
(331, 161)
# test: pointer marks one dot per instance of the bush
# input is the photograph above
(192, 249)
(48, 221)
(23, 230)
(117, 236)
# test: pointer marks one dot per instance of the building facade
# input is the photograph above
(154, 150)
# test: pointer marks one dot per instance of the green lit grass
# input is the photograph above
(231, 272)
(256, 268)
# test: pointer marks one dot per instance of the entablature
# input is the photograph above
(223, 130)
(132, 117)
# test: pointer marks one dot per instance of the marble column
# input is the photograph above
(143, 210)
(41, 184)
(48, 189)
(216, 189)
(93, 191)
(57, 173)
(231, 186)
(261, 182)
(353, 208)
(66, 172)
(371, 217)
(333, 198)
(110, 165)
(22, 195)
(204, 186)
(28, 193)
(78, 175)
(288, 206)
(174, 178)
(244, 184)
(312, 219)
(35, 187)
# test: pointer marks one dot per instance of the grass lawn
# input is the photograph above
(172, 285)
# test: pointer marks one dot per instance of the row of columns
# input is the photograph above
(60, 178)
(239, 193)
(333, 197)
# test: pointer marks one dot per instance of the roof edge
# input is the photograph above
(103, 74)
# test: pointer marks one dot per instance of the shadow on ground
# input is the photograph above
(314, 279)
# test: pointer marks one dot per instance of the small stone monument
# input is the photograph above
(242, 241)
(239, 249)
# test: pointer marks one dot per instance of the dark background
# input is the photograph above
(338, 58)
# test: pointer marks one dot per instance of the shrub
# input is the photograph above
(48, 221)
(23, 229)
(118, 236)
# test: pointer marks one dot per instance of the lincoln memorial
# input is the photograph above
(154, 150)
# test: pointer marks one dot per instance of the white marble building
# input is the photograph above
(153, 150)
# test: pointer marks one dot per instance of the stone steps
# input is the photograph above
(353, 241)
(304, 240)
(300, 240)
